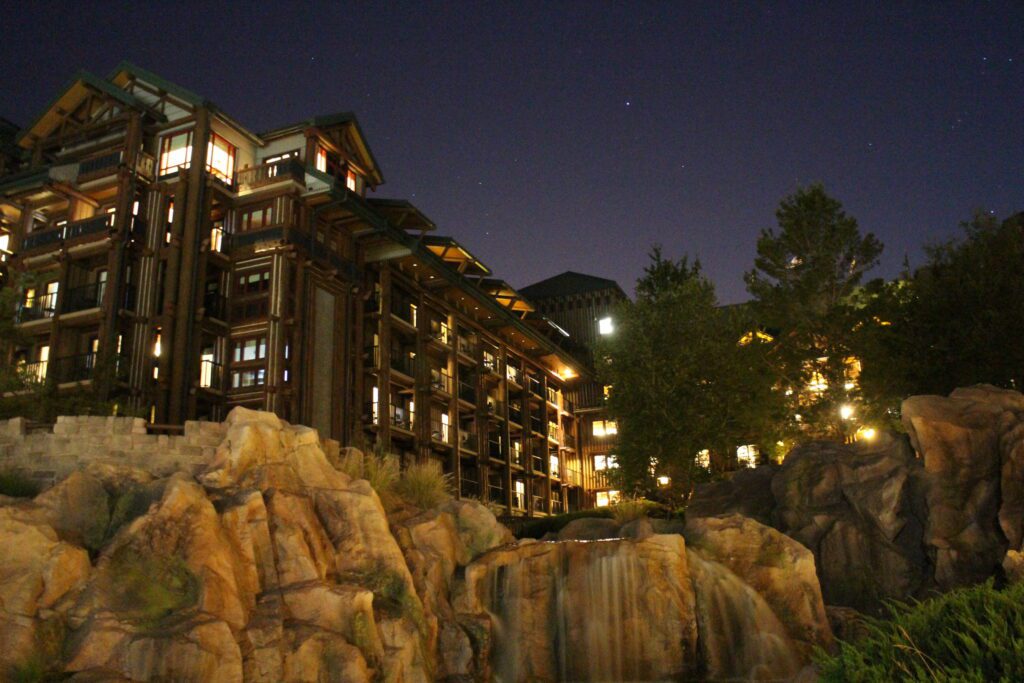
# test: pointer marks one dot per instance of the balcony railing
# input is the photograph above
(83, 366)
(493, 407)
(516, 455)
(404, 363)
(540, 504)
(494, 448)
(573, 476)
(519, 501)
(512, 374)
(515, 414)
(266, 174)
(440, 431)
(404, 310)
(536, 424)
(557, 507)
(537, 462)
(83, 297)
(552, 396)
(38, 307)
(469, 487)
(467, 392)
(467, 347)
(211, 375)
(468, 441)
(536, 387)
(105, 162)
(35, 371)
(216, 306)
(496, 493)
(554, 432)
(441, 332)
(491, 363)
(400, 417)
(440, 380)
(68, 231)
(569, 440)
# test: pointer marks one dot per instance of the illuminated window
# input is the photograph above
(606, 498)
(5, 241)
(350, 179)
(703, 458)
(519, 498)
(256, 218)
(604, 462)
(605, 326)
(206, 368)
(605, 428)
(220, 158)
(157, 351)
(747, 455)
(321, 159)
(253, 348)
(553, 464)
(175, 152)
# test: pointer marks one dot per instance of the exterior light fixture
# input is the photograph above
(605, 326)
(868, 433)
(846, 411)
(664, 481)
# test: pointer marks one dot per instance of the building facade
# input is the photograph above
(178, 264)
(584, 307)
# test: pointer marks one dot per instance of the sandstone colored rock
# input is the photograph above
(778, 568)
(589, 529)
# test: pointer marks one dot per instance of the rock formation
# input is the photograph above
(264, 562)
(901, 517)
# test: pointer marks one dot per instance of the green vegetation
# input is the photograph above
(17, 485)
(391, 594)
(972, 634)
(48, 651)
(954, 322)
(149, 588)
(682, 382)
(631, 509)
(424, 485)
(379, 468)
(539, 526)
(805, 280)
(133, 502)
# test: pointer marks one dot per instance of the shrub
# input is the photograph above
(424, 485)
(629, 509)
(17, 485)
(149, 588)
(379, 468)
(971, 634)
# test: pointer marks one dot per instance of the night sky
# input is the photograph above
(562, 136)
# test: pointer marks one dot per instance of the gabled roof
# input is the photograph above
(402, 214)
(125, 69)
(70, 96)
(328, 121)
(567, 284)
(455, 255)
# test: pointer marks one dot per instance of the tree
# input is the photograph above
(681, 380)
(804, 283)
(956, 321)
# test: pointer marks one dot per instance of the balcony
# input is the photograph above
(519, 500)
(106, 163)
(512, 375)
(569, 440)
(83, 298)
(554, 432)
(220, 241)
(211, 375)
(400, 417)
(536, 425)
(540, 504)
(466, 347)
(536, 387)
(68, 231)
(404, 310)
(216, 306)
(404, 363)
(371, 356)
(468, 442)
(557, 507)
(440, 381)
(469, 487)
(572, 477)
(537, 464)
(496, 493)
(493, 407)
(84, 366)
(249, 179)
(553, 467)
(441, 332)
(467, 392)
(440, 431)
(494, 448)
(37, 308)
(516, 456)
(515, 414)
(491, 364)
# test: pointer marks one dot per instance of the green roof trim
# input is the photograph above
(568, 284)
(181, 93)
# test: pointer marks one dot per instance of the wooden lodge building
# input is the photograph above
(179, 264)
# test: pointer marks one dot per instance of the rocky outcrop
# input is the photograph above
(901, 517)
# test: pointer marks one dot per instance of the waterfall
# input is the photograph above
(579, 611)
(740, 636)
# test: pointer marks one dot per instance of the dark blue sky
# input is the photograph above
(554, 136)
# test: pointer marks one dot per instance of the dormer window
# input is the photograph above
(220, 158)
(175, 153)
(321, 159)
(351, 179)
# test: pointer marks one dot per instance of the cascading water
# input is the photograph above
(590, 611)
(740, 636)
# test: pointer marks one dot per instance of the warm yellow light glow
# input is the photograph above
(664, 481)
(867, 433)
(846, 411)
(605, 326)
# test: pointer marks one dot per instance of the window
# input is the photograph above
(294, 154)
(253, 282)
(241, 379)
(747, 455)
(351, 179)
(175, 152)
(605, 428)
(220, 158)
(253, 348)
(254, 219)
(604, 462)
(605, 326)
(606, 498)
(321, 159)
(703, 458)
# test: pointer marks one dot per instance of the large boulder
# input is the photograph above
(748, 492)
(960, 441)
(778, 568)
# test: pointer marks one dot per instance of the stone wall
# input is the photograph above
(52, 453)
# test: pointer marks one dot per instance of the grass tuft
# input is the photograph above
(379, 468)
(424, 485)
(631, 509)
(971, 634)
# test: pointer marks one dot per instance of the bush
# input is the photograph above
(379, 468)
(148, 587)
(424, 485)
(629, 509)
(972, 634)
(17, 485)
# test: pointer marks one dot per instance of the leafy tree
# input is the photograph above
(804, 283)
(682, 381)
(956, 321)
